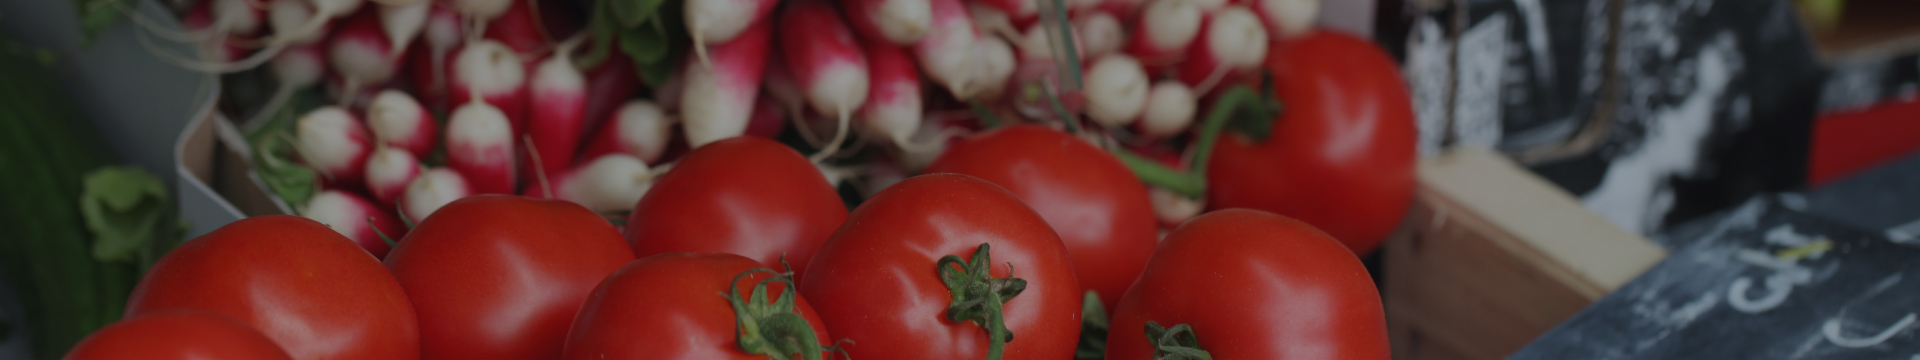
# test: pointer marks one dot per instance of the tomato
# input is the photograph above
(1253, 285)
(314, 292)
(663, 307)
(1092, 200)
(177, 335)
(500, 276)
(882, 280)
(745, 195)
(1340, 156)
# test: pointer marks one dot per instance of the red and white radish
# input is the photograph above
(609, 86)
(607, 183)
(1287, 18)
(519, 28)
(1172, 208)
(673, 90)
(480, 145)
(893, 109)
(1098, 34)
(1116, 90)
(1035, 44)
(1170, 110)
(493, 72)
(298, 67)
(356, 218)
(991, 20)
(993, 66)
(901, 22)
(334, 143)
(717, 100)
(1233, 41)
(389, 171)
(399, 121)
(480, 11)
(1015, 10)
(293, 23)
(717, 22)
(640, 129)
(236, 17)
(826, 61)
(1165, 30)
(403, 23)
(768, 121)
(1209, 6)
(361, 54)
(434, 188)
(441, 35)
(556, 118)
(946, 54)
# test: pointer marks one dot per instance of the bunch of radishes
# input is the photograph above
(437, 100)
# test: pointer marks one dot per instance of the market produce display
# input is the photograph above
(801, 179)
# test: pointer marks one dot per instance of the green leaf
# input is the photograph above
(632, 13)
(124, 208)
(97, 15)
(645, 45)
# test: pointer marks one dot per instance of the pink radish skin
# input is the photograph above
(429, 63)
(1170, 110)
(714, 22)
(333, 142)
(399, 121)
(893, 109)
(780, 84)
(608, 183)
(432, 189)
(1098, 34)
(480, 145)
(360, 53)
(1209, 6)
(825, 58)
(349, 214)
(293, 23)
(519, 29)
(673, 90)
(609, 85)
(494, 72)
(389, 171)
(640, 129)
(717, 100)
(1165, 31)
(946, 54)
(769, 119)
(1016, 10)
(1116, 90)
(1286, 18)
(556, 117)
(900, 22)
(1233, 41)
(403, 23)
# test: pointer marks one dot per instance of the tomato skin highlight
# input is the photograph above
(744, 195)
(501, 276)
(314, 292)
(876, 282)
(1341, 155)
(177, 335)
(1093, 201)
(665, 307)
(1254, 285)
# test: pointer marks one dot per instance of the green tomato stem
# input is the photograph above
(1192, 181)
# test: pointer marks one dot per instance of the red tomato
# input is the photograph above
(1254, 285)
(663, 307)
(1093, 201)
(746, 195)
(881, 280)
(1340, 156)
(500, 276)
(312, 291)
(177, 335)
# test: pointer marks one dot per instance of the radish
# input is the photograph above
(403, 22)
(993, 66)
(717, 22)
(1116, 90)
(717, 100)
(1098, 34)
(1165, 30)
(480, 145)
(1016, 10)
(399, 121)
(991, 20)
(781, 85)
(609, 85)
(440, 36)
(480, 11)
(946, 54)
(389, 171)
(826, 62)
(334, 143)
(434, 188)
(1287, 18)
(1172, 208)
(298, 67)
(1035, 44)
(608, 183)
(491, 71)
(235, 17)
(1209, 6)
(521, 30)
(293, 23)
(768, 120)
(640, 129)
(356, 218)
(361, 54)
(673, 89)
(893, 109)
(901, 22)
(1170, 109)
(1233, 41)
(556, 118)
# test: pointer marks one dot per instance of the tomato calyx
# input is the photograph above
(772, 328)
(1175, 343)
(1244, 109)
(978, 296)
(1093, 328)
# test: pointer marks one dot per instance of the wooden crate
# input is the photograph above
(1492, 256)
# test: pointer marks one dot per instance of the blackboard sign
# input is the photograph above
(1761, 281)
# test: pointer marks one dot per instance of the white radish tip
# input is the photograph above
(479, 124)
(298, 66)
(1289, 18)
(717, 21)
(895, 118)
(1171, 208)
(235, 17)
(557, 72)
(904, 21)
(1171, 24)
(490, 67)
(1116, 89)
(1098, 34)
(286, 18)
(645, 129)
(339, 210)
(389, 171)
(403, 22)
(431, 190)
(1170, 109)
(995, 65)
(331, 139)
(611, 182)
(394, 115)
(1237, 38)
(840, 88)
(711, 111)
(365, 57)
